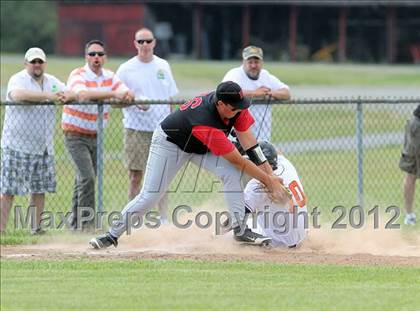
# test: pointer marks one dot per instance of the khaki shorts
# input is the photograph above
(410, 155)
(136, 149)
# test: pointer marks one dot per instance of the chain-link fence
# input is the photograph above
(346, 153)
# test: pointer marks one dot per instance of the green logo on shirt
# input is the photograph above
(54, 88)
(161, 74)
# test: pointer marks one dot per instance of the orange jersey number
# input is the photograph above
(298, 193)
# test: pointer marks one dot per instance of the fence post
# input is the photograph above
(99, 157)
(359, 146)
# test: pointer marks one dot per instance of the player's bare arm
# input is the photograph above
(272, 182)
(247, 141)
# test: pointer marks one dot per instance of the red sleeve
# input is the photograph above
(244, 121)
(214, 139)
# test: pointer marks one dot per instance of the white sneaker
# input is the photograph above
(410, 219)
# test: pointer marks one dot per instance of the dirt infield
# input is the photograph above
(365, 247)
(269, 256)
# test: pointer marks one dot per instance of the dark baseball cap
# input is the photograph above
(230, 93)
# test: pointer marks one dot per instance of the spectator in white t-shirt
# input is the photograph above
(258, 83)
(27, 149)
(149, 77)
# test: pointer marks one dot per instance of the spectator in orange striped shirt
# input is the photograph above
(92, 82)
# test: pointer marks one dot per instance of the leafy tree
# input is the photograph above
(25, 24)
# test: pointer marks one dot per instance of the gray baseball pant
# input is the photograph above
(164, 161)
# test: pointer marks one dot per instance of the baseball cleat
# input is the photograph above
(250, 237)
(410, 219)
(104, 241)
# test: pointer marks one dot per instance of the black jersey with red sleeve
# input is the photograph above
(196, 127)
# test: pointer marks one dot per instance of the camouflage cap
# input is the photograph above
(252, 51)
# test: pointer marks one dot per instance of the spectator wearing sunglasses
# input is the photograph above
(150, 77)
(27, 151)
(258, 83)
(92, 82)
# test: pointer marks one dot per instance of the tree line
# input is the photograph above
(25, 24)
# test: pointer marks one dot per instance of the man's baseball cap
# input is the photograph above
(230, 93)
(252, 51)
(35, 53)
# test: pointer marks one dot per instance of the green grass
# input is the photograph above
(200, 73)
(21, 236)
(330, 179)
(18, 236)
(306, 121)
(204, 75)
(181, 285)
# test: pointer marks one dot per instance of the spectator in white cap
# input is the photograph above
(27, 161)
(258, 83)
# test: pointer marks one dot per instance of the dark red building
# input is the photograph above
(114, 23)
(375, 31)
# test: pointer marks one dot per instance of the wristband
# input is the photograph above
(256, 155)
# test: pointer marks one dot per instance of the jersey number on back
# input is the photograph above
(193, 103)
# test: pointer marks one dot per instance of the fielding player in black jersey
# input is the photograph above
(197, 132)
